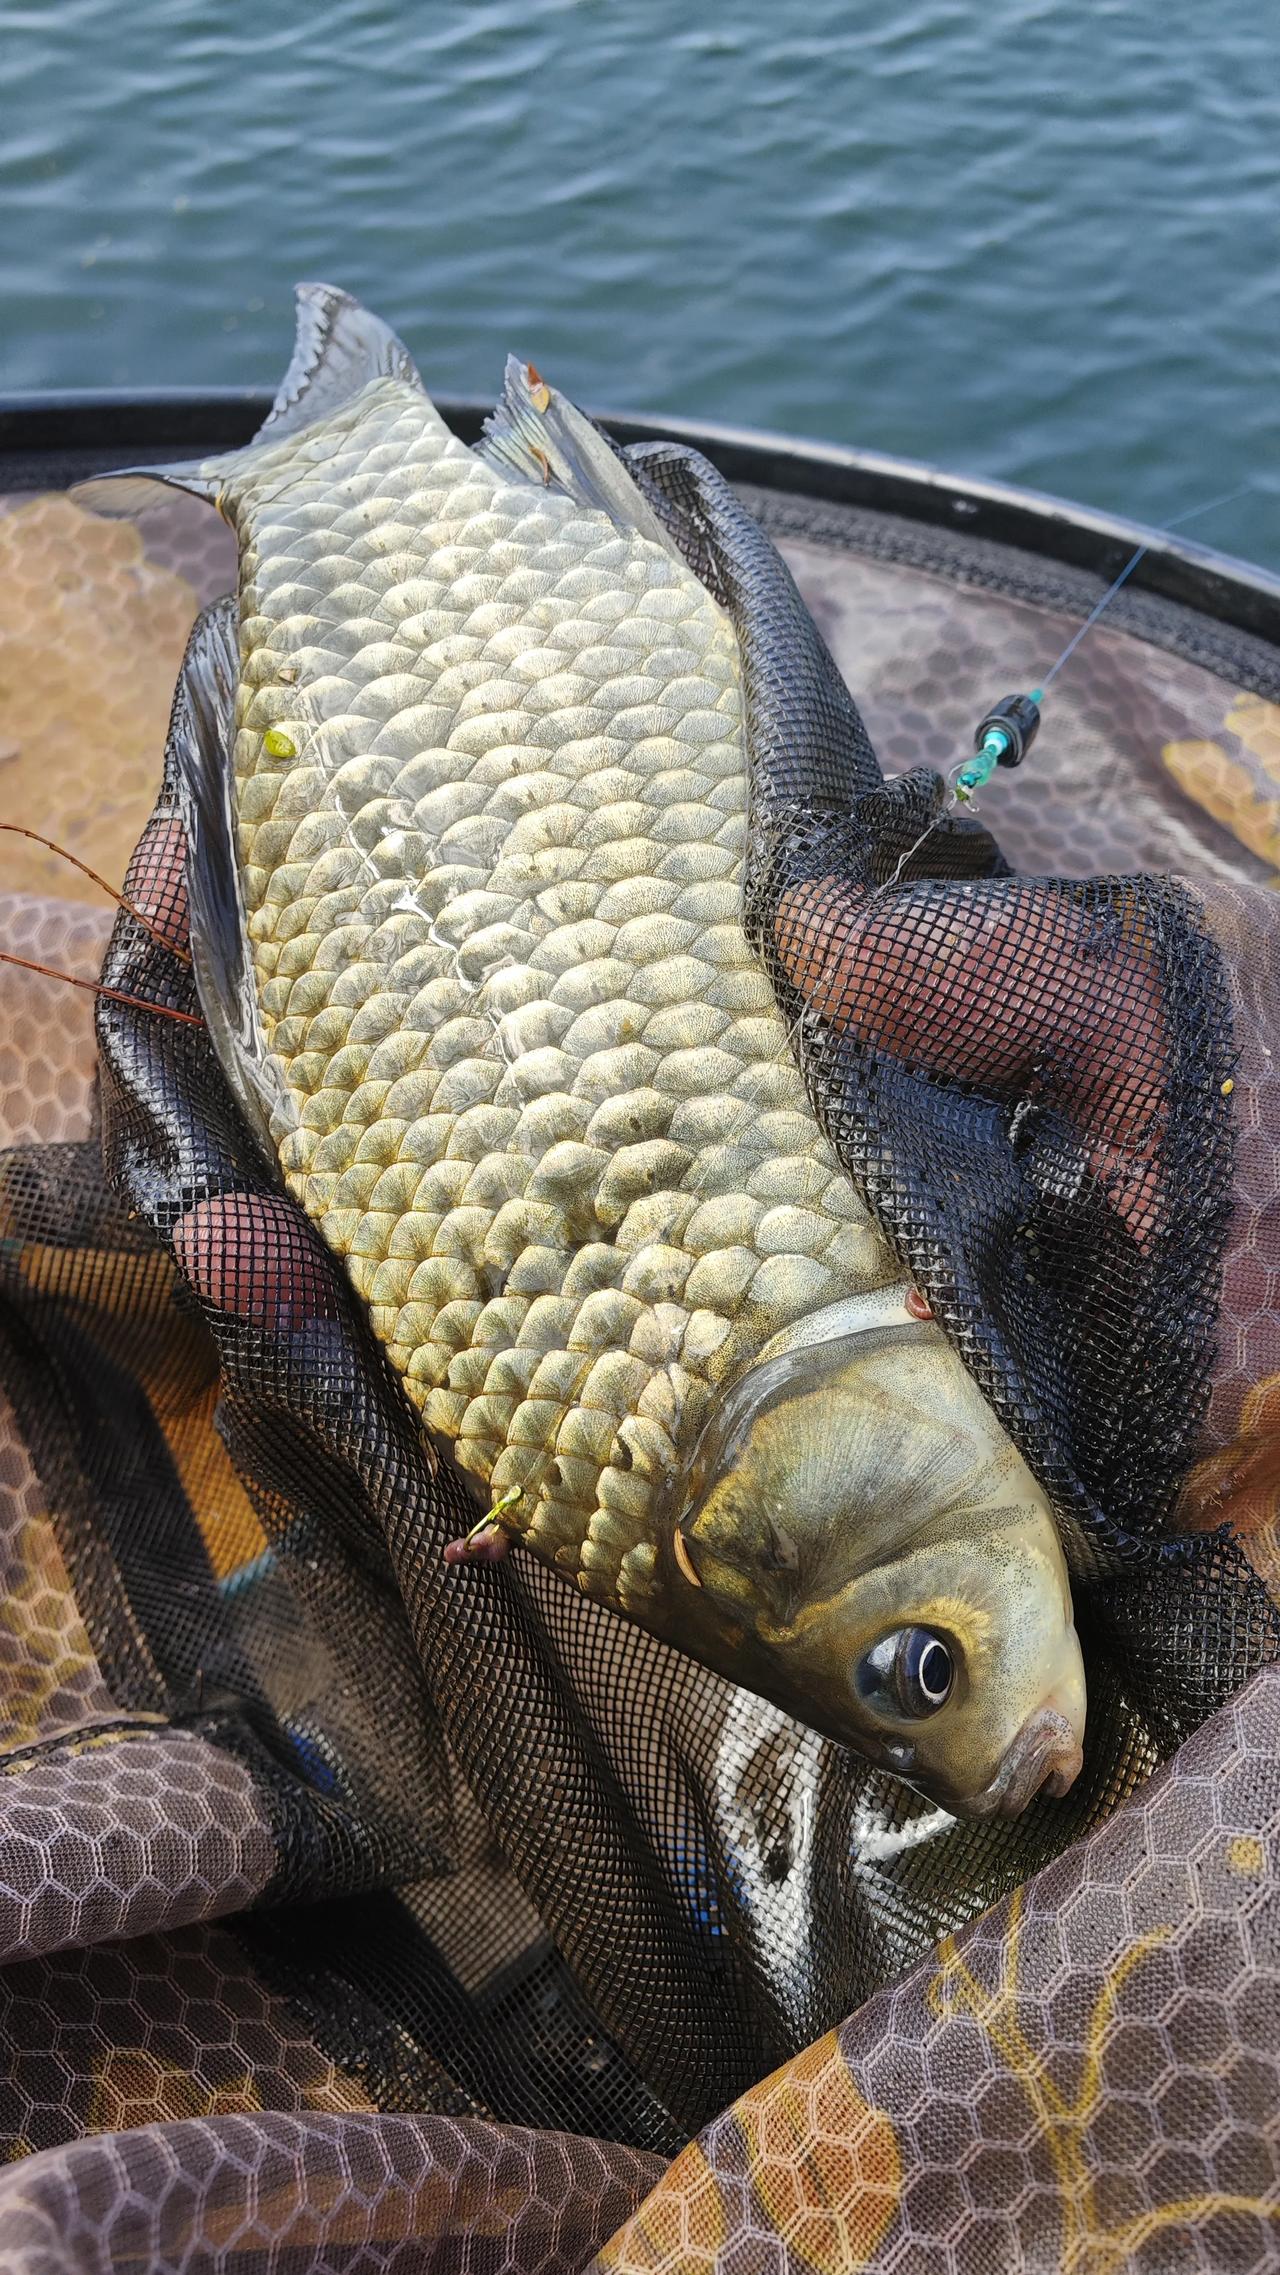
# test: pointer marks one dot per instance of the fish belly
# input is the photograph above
(491, 783)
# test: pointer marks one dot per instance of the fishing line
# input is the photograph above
(96, 987)
(1227, 498)
(1007, 731)
(37, 837)
(1004, 737)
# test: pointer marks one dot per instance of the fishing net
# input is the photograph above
(488, 1864)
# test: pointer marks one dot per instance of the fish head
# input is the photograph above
(862, 1543)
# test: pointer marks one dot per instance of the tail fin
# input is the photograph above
(338, 348)
(140, 489)
(538, 434)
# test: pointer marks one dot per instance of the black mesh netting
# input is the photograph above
(533, 1862)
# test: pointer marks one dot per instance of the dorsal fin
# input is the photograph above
(338, 349)
(538, 434)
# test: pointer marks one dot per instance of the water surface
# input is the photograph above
(1036, 241)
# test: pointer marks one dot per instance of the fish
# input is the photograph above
(466, 884)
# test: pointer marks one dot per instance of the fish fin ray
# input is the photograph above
(137, 490)
(339, 347)
(536, 434)
(199, 763)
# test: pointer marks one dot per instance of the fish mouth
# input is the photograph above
(1045, 1757)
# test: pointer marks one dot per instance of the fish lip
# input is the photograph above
(1045, 1757)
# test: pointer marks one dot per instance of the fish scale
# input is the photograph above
(495, 907)
(466, 890)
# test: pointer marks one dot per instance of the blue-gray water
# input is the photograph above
(1037, 241)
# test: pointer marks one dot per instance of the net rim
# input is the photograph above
(49, 438)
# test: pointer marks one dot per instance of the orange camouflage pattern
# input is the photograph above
(1086, 2080)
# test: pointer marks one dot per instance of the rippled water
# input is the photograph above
(1030, 240)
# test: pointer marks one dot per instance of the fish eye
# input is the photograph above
(912, 1672)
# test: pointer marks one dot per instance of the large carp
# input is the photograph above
(488, 994)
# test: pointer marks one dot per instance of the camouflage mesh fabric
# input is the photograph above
(425, 2195)
(485, 1858)
(1087, 2080)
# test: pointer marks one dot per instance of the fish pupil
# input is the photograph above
(923, 1672)
(910, 1672)
(935, 1671)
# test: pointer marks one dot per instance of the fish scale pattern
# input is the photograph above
(492, 793)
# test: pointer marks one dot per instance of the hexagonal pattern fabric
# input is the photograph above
(1087, 2079)
(346, 1904)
